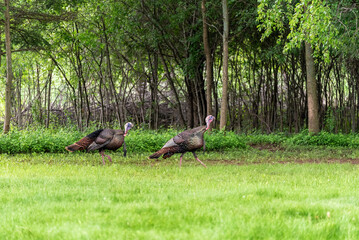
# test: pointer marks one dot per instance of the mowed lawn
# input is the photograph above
(60, 199)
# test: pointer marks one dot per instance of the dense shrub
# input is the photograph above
(257, 138)
(148, 141)
(55, 140)
(324, 139)
(151, 141)
(40, 140)
(218, 140)
(305, 138)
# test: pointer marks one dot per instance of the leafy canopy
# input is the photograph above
(299, 21)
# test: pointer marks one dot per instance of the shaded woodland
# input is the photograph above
(160, 63)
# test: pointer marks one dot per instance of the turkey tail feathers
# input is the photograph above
(83, 143)
(167, 152)
(74, 147)
(157, 154)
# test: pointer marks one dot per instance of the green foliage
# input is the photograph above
(324, 139)
(147, 141)
(305, 138)
(38, 140)
(265, 138)
(310, 21)
(41, 140)
(219, 141)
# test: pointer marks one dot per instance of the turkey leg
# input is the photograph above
(103, 159)
(194, 154)
(181, 159)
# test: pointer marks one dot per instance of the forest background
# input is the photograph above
(163, 63)
(287, 67)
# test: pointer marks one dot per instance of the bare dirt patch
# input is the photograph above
(297, 161)
(241, 162)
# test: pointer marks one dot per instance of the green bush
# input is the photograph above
(218, 140)
(42, 140)
(38, 140)
(256, 138)
(151, 141)
(148, 141)
(324, 139)
(54, 140)
(305, 138)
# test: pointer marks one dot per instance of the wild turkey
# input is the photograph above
(187, 141)
(101, 140)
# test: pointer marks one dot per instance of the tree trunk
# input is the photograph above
(153, 84)
(9, 75)
(38, 94)
(223, 120)
(18, 100)
(47, 123)
(207, 52)
(312, 93)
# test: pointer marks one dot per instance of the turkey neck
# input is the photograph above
(196, 139)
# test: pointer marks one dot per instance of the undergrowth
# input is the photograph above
(54, 140)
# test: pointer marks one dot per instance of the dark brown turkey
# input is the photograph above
(187, 141)
(101, 140)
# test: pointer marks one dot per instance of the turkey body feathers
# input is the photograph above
(186, 141)
(108, 139)
(100, 139)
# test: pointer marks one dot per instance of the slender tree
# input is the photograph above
(207, 52)
(312, 92)
(224, 101)
(9, 75)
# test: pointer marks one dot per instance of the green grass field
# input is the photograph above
(241, 195)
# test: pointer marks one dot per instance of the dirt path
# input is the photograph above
(307, 161)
